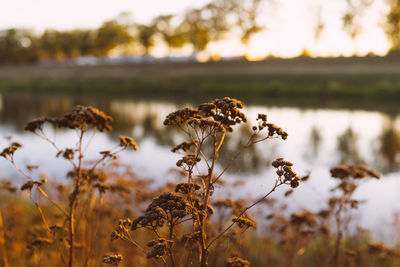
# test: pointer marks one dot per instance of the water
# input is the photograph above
(318, 139)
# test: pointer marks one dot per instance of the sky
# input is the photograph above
(289, 24)
(70, 14)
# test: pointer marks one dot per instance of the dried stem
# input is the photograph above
(276, 185)
(73, 202)
(2, 243)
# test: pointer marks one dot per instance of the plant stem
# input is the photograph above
(73, 203)
(2, 243)
(277, 183)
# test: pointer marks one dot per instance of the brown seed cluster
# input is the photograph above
(68, 153)
(189, 160)
(209, 123)
(40, 243)
(36, 124)
(237, 262)
(190, 238)
(223, 203)
(31, 183)
(244, 222)
(285, 172)
(7, 185)
(220, 115)
(127, 142)
(180, 116)
(88, 175)
(185, 188)
(102, 187)
(112, 259)
(80, 117)
(167, 204)
(8, 152)
(123, 227)
(382, 250)
(184, 146)
(272, 128)
(305, 217)
(159, 247)
(357, 172)
(225, 111)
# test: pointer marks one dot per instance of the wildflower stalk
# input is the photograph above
(73, 202)
(339, 235)
(2, 243)
(276, 185)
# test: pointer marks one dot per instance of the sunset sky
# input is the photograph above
(289, 24)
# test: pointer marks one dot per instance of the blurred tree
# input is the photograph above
(18, 46)
(110, 35)
(247, 19)
(389, 146)
(146, 36)
(348, 148)
(194, 28)
(170, 34)
(392, 26)
(352, 18)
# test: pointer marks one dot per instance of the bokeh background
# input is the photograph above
(327, 72)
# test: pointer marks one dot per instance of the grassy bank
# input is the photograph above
(343, 80)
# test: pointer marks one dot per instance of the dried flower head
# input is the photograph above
(7, 185)
(237, 262)
(122, 228)
(156, 213)
(31, 183)
(127, 142)
(8, 152)
(180, 116)
(189, 160)
(40, 243)
(285, 172)
(244, 222)
(159, 247)
(184, 146)
(82, 117)
(303, 218)
(185, 188)
(36, 124)
(112, 259)
(68, 153)
(357, 172)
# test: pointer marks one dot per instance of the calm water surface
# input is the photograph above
(318, 139)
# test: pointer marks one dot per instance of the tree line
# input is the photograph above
(196, 27)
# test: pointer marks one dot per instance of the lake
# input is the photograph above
(318, 139)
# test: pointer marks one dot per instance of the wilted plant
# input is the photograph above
(177, 224)
(205, 127)
(85, 177)
(341, 205)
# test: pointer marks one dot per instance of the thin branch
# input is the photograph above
(276, 185)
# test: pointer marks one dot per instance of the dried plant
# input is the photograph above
(85, 178)
(197, 221)
(206, 127)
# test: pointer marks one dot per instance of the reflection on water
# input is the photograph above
(324, 137)
(389, 146)
(348, 148)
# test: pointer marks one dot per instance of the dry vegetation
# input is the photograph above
(106, 213)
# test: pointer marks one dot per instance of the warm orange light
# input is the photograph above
(253, 58)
